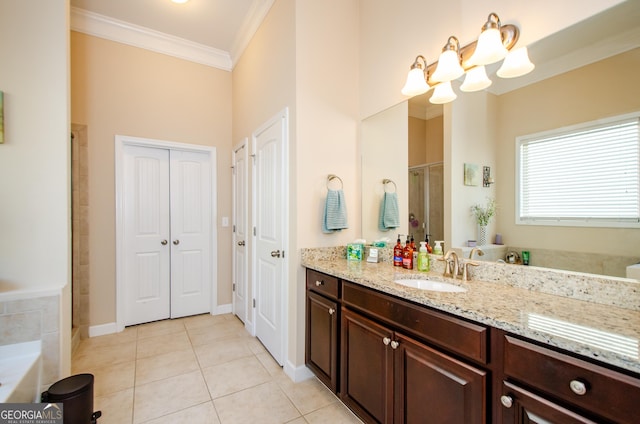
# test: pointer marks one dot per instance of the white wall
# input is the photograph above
(35, 157)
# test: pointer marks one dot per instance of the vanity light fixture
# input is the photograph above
(494, 44)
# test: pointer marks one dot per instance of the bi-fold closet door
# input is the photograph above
(166, 206)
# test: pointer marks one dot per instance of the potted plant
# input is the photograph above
(483, 216)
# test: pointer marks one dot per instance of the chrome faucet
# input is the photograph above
(450, 258)
(477, 250)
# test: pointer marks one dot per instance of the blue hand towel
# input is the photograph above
(389, 212)
(335, 212)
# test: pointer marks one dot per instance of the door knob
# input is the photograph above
(275, 253)
(176, 242)
(241, 243)
(164, 242)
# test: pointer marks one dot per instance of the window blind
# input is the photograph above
(586, 176)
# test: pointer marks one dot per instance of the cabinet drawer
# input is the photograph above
(459, 336)
(322, 283)
(607, 393)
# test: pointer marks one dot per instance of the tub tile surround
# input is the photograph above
(30, 318)
(546, 305)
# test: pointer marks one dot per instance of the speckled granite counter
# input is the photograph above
(556, 308)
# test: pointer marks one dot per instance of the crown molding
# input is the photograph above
(251, 23)
(123, 32)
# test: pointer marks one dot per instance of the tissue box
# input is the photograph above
(355, 252)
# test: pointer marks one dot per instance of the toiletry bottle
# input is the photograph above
(414, 249)
(437, 249)
(397, 253)
(423, 257)
(407, 255)
(429, 248)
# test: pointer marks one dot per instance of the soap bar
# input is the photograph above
(355, 252)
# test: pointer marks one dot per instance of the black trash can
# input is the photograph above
(76, 395)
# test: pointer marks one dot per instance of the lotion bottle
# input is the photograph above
(407, 255)
(397, 253)
(423, 257)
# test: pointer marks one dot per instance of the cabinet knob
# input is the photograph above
(163, 242)
(386, 341)
(395, 344)
(331, 311)
(578, 387)
(176, 242)
(506, 401)
(319, 283)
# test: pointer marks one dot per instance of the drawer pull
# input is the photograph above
(395, 344)
(386, 341)
(506, 401)
(331, 311)
(319, 283)
(578, 387)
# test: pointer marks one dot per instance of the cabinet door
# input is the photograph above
(367, 368)
(433, 387)
(523, 407)
(322, 339)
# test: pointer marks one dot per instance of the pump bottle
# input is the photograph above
(397, 253)
(407, 255)
(423, 257)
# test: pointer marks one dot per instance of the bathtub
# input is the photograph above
(20, 372)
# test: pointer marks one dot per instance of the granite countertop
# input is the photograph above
(602, 332)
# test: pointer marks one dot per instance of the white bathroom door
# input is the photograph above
(167, 236)
(190, 187)
(270, 216)
(240, 239)
(146, 256)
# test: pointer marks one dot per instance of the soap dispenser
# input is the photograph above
(437, 249)
(426, 240)
(407, 255)
(423, 257)
(397, 253)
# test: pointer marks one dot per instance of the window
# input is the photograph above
(584, 175)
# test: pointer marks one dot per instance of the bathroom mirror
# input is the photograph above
(480, 128)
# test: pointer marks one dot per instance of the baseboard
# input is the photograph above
(103, 329)
(222, 309)
(297, 374)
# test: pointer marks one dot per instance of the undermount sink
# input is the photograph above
(430, 285)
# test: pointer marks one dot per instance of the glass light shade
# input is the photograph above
(489, 48)
(416, 83)
(443, 93)
(179, 1)
(516, 64)
(476, 80)
(448, 67)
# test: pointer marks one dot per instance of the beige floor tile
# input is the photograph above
(90, 359)
(169, 364)
(204, 320)
(129, 335)
(269, 363)
(222, 351)
(307, 395)
(233, 376)
(160, 328)
(199, 414)
(110, 378)
(299, 420)
(332, 414)
(158, 345)
(117, 408)
(167, 396)
(264, 404)
(215, 332)
(256, 346)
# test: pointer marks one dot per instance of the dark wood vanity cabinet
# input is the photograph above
(567, 389)
(322, 327)
(390, 377)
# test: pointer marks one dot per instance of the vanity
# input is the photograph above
(519, 345)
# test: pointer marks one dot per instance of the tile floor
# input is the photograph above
(201, 369)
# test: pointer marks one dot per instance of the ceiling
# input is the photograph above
(225, 25)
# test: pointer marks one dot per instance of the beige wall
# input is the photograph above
(392, 34)
(35, 219)
(417, 141)
(571, 98)
(117, 89)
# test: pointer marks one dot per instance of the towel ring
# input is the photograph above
(332, 177)
(387, 181)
